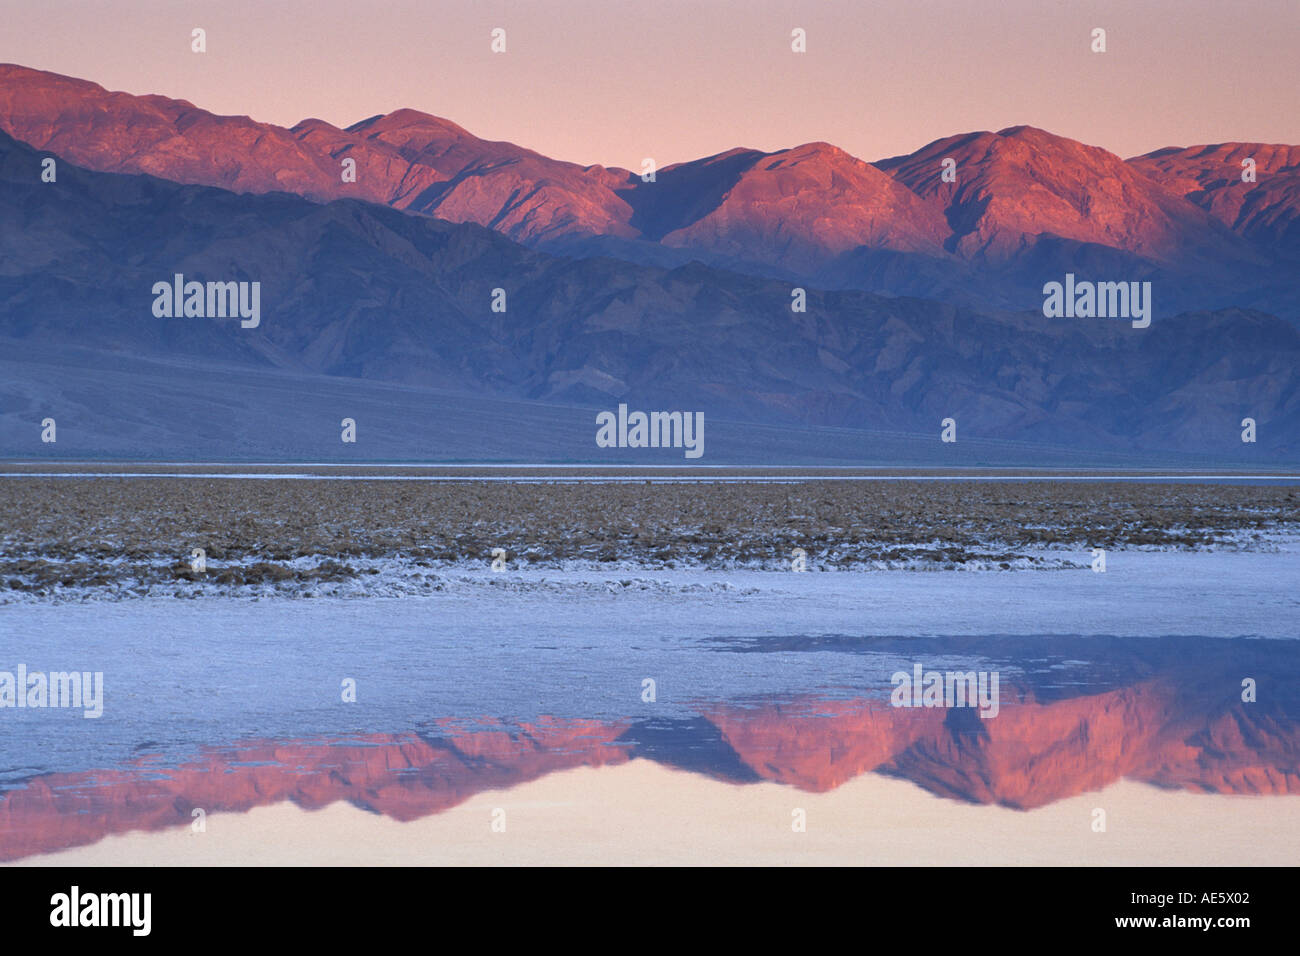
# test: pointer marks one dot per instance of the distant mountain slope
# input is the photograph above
(1014, 186)
(405, 159)
(1266, 210)
(1028, 206)
(357, 290)
(795, 209)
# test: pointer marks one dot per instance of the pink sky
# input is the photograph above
(604, 81)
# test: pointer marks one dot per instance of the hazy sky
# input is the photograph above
(611, 81)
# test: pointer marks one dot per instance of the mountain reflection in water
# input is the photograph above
(1076, 714)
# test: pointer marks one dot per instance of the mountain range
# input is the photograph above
(923, 295)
